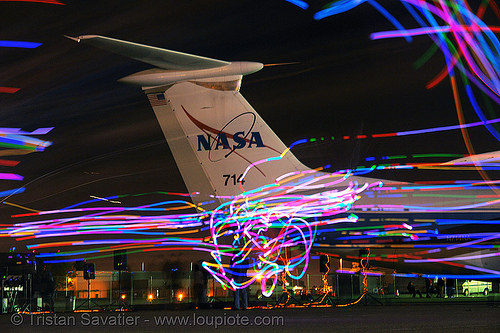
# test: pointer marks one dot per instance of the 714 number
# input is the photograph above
(234, 178)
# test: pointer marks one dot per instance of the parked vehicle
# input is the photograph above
(476, 287)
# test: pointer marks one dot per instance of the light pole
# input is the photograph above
(68, 281)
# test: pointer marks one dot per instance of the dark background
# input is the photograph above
(106, 140)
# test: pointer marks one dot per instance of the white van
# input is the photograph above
(476, 287)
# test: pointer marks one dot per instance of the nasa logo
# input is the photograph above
(221, 141)
(220, 144)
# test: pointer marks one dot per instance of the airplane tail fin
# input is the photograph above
(214, 135)
(212, 131)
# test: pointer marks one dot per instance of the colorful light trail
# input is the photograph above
(265, 230)
(51, 2)
(19, 44)
(270, 231)
(470, 48)
(9, 90)
(15, 142)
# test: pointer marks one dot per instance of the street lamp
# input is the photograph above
(68, 281)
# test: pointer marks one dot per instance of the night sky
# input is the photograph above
(106, 140)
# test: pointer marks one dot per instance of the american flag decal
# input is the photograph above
(157, 99)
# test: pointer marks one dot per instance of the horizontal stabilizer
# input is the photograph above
(166, 59)
(485, 158)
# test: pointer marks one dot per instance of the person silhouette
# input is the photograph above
(411, 288)
(239, 269)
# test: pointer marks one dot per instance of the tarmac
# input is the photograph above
(405, 315)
